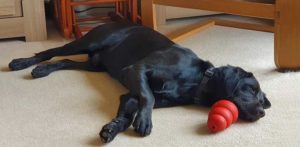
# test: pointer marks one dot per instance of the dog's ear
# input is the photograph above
(266, 103)
(205, 64)
(249, 74)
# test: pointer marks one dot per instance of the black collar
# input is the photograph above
(207, 76)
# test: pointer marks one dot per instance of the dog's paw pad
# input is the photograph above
(109, 132)
(40, 71)
(21, 63)
(143, 125)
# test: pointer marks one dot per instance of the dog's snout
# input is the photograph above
(261, 112)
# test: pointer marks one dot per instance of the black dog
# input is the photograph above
(157, 72)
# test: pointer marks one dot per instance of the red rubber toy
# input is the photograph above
(222, 115)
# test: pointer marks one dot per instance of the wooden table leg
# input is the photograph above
(148, 14)
(287, 34)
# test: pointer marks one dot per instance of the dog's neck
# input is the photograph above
(209, 88)
(214, 85)
(207, 75)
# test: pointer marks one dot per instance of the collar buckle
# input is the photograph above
(209, 72)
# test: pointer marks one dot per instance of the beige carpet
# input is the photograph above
(68, 108)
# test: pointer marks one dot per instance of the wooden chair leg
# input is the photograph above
(69, 21)
(77, 32)
(148, 14)
(117, 7)
(134, 11)
(63, 19)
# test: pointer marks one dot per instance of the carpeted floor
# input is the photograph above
(68, 108)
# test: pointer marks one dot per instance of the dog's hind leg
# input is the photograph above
(45, 69)
(72, 48)
(127, 110)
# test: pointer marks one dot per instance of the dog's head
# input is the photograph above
(242, 88)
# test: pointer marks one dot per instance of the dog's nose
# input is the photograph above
(261, 112)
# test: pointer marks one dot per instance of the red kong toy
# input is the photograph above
(222, 115)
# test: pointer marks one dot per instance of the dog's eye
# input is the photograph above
(248, 88)
(252, 90)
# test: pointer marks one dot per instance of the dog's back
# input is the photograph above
(119, 45)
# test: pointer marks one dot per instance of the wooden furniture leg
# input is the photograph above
(69, 17)
(287, 34)
(134, 10)
(148, 14)
(61, 17)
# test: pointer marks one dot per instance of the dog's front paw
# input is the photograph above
(143, 124)
(40, 71)
(21, 63)
(109, 132)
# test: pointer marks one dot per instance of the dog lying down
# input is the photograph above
(157, 72)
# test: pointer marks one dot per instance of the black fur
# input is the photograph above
(157, 72)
